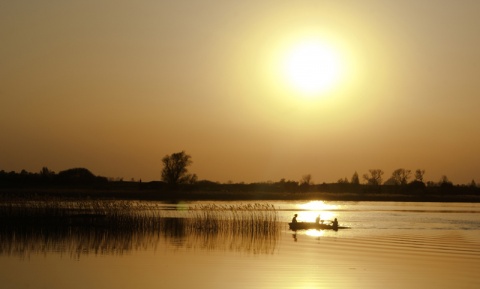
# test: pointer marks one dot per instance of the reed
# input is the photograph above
(244, 226)
(255, 218)
(79, 227)
(101, 226)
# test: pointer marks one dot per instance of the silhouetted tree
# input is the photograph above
(432, 184)
(306, 180)
(445, 184)
(46, 173)
(192, 179)
(419, 175)
(374, 178)
(175, 169)
(391, 182)
(400, 176)
(355, 180)
(416, 185)
(444, 181)
(287, 186)
(76, 175)
(473, 184)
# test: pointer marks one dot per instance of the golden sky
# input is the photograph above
(114, 86)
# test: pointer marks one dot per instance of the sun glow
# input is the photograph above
(315, 233)
(311, 67)
(312, 209)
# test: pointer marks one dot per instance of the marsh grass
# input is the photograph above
(249, 219)
(106, 214)
(77, 227)
(254, 228)
(116, 227)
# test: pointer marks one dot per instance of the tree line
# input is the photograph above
(175, 174)
(45, 177)
(399, 177)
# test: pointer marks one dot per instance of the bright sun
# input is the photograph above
(312, 67)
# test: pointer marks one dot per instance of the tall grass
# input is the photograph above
(108, 214)
(250, 219)
(251, 227)
(79, 227)
(115, 227)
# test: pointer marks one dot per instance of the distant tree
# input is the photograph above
(400, 176)
(355, 180)
(374, 177)
(391, 182)
(306, 180)
(342, 181)
(46, 173)
(287, 185)
(445, 183)
(432, 184)
(416, 185)
(473, 184)
(419, 175)
(78, 176)
(305, 183)
(444, 180)
(175, 170)
(192, 179)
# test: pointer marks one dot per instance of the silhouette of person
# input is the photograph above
(335, 223)
(317, 220)
(294, 219)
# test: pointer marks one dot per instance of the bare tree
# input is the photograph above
(445, 181)
(355, 180)
(374, 178)
(306, 180)
(175, 169)
(401, 176)
(419, 175)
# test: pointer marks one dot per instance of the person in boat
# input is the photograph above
(294, 219)
(335, 223)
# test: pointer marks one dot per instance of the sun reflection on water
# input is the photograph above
(311, 210)
(315, 233)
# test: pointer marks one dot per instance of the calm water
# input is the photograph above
(389, 245)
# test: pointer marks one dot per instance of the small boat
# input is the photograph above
(317, 226)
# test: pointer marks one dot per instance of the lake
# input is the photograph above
(388, 245)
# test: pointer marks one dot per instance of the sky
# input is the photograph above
(114, 86)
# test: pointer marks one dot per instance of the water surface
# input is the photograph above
(389, 245)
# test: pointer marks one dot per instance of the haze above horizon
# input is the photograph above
(252, 90)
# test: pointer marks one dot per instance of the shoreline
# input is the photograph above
(184, 195)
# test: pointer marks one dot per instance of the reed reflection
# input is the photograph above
(252, 228)
(105, 227)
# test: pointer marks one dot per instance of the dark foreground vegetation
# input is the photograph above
(115, 227)
(80, 183)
